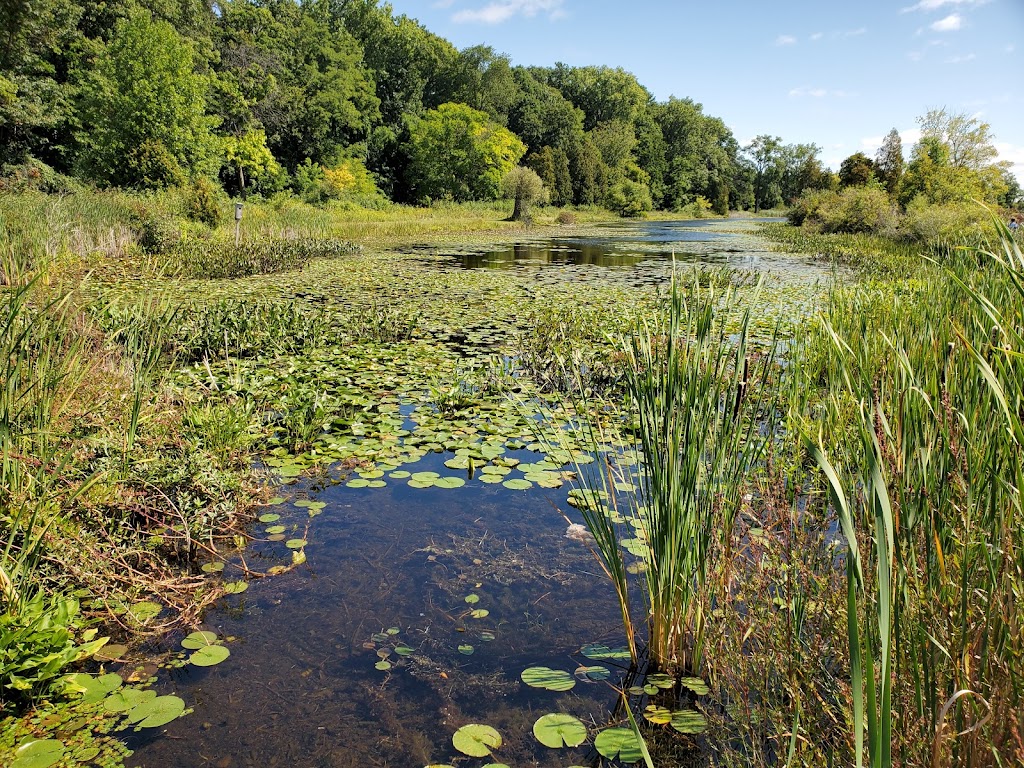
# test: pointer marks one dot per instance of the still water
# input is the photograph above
(417, 609)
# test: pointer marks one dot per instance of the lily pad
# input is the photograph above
(592, 674)
(275, 530)
(269, 517)
(41, 753)
(467, 650)
(618, 744)
(209, 656)
(559, 730)
(657, 715)
(295, 543)
(235, 587)
(156, 712)
(145, 611)
(548, 679)
(198, 640)
(94, 688)
(110, 652)
(383, 665)
(449, 482)
(476, 740)
(212, 567)
(517, 484)
(126, 699)
(471, 599)
(688, 721)
(695, 684)
(480, 613)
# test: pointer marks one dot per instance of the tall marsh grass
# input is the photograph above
(695, 395)
(923, 458)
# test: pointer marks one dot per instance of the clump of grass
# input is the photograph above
(690, 382)
(216, 259)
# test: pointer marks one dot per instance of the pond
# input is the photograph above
(430, 580)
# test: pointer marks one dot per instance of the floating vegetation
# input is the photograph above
(548, 679)
(476, 740)
(559, 730)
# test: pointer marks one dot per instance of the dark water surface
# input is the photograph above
(300, 688)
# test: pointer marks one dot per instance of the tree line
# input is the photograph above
(344, 98)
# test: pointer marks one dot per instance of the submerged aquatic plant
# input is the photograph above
(692, 387)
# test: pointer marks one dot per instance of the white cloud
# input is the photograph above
(915, 55)
(817, 36)
(908, 138)
(951, 23)
(855, 32)
(960, 59)
(1013, 154)
(817, 93)
(934, 5)
(785, 40)
(1010, 48)
(503, 10)
(444, 3)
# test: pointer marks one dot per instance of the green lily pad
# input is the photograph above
(156, 712)
(596, 652)
(618, 744)
(235, 587)
(404, 650)
(126, 699)
(198, 640)
(695, 684)
(209, 656)
(467, 650)
(276, 500)
(110, 652)
(688, 721)
(548, 679)
(383, 665)
(449, 482)
(517, 485)
(275, 530)
(476, 740)
(269, 517)
(592, 674)
(480, 613)
(657, 715)
(41, 753)
(295, 543)
(559, 730)
(471, 599)
(212, 567)
(94, 688)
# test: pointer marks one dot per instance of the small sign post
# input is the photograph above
(238, 222)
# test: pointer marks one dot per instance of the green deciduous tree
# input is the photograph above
(856, 171)
(456, 152)
(889, 162)
(143, 108)
(765, 154)
(525, 187)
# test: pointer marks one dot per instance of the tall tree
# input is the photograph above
(765, 153)
(458, 153)
(144, 108)
(856, 171)
(889, 161)
(968, 140)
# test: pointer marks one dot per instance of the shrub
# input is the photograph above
(201, 202)
(156, 231)
(933, 224)
(566, 217)
(855, 209)
(525, 187)
(219, 259)
(629, 198)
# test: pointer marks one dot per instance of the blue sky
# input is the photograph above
(837, 74)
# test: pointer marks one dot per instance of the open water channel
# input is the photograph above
(418, 608)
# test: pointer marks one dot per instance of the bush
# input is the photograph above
(566, 217)
(855, 209)
(219, 259)
(629, 198)
(201, 202)
(156, 231)
(934, 224)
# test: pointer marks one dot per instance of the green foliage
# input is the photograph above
(39, 639)
(201, 203)
(525, 187)
(889, 162)
(855, 209)
(249, 162)
(144, 108)
(458, 154)
(629, 198)
(858, 170)
(217, 259)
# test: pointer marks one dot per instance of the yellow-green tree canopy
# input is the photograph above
(456, 152)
